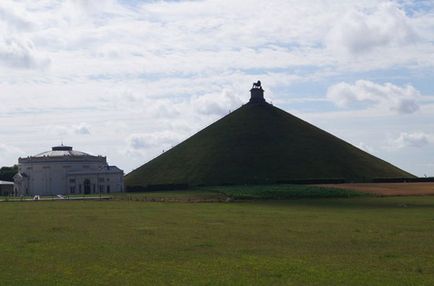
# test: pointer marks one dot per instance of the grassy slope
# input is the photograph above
(356, 241)
(260, 144)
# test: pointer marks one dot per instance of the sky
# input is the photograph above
(131, 79)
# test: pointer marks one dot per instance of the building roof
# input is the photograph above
(60, 151)
(102, 171)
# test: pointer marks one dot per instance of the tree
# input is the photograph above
(8, 173)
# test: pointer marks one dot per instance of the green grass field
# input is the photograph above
(335, 241)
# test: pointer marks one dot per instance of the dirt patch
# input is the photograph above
(389, 189)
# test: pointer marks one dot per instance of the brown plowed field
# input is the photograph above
(390, 189)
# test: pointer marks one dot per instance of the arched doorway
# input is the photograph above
(86, 185)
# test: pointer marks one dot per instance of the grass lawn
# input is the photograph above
(335, 241)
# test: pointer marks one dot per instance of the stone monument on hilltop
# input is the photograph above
(257, 93)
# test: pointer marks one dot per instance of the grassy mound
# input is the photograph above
(261, 144)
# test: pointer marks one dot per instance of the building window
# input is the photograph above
(108, 189)
(101, 180)
(101, 188)
(72, 189)
(79, 189)
(72, 181)
(94, 188)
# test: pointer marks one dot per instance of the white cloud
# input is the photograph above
(20, 54)
(162, 140)
(7, 148)
(151, 67)
(68, 130)
(415, 139)
(81, 129)
(10, 18)
(145, 146)
(216, 104)
(365, 147)
(362, 30)
(10, 153)
(400, 99)
(116, 41)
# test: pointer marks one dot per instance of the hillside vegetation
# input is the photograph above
(259, 143)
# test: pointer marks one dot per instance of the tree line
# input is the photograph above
(8, 173)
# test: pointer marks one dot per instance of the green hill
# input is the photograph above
(259, 143)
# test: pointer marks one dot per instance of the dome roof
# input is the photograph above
(60, 151)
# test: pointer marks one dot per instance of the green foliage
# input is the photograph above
(230, 193)
(261, 144)
(282, 192)
(7, 173)
(351, 241)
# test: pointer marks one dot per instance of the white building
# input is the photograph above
(66, 171)
(6, 188)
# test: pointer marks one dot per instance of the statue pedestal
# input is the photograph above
(257, 95)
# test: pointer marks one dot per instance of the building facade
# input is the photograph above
(64, 171)
(6, 188)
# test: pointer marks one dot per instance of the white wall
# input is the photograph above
(49, 176)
